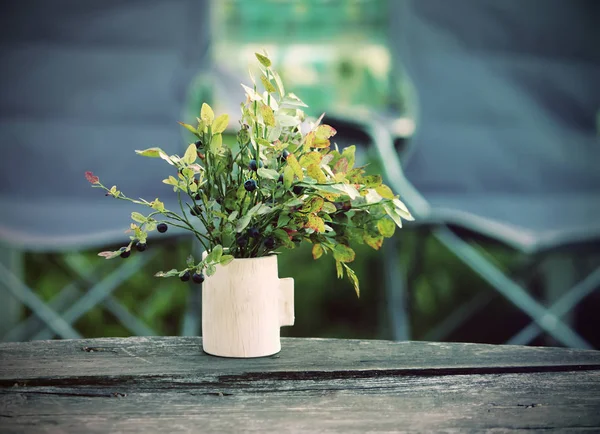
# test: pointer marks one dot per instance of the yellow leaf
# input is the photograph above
(190, 154)
(293, 163)
(317, 251)
(267, 84)
(267, 114)
(150, 152)
(188, 127)
(157, 205)
(311, 158)
(288, 176)
(220, 124)
(207, 115)
(315, 172)
(264, 60)
(349, 153)
(386, 227)
(308, 141)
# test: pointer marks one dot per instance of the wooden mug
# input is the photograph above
(243, 306)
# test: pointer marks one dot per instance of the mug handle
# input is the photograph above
(286, 302)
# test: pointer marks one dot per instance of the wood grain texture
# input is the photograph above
(312, 385)
(243, 305)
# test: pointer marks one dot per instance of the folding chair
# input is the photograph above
(506, 147)
(84, 85)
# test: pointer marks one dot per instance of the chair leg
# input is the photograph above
(510, 290)
(100, 291)
(395, 284)
(10, 308)
(560, 307)
(24, 294)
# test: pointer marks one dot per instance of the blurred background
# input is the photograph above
(482, 114)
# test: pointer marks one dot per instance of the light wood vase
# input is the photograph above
(243, 306)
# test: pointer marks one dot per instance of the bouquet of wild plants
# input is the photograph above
(282, 183)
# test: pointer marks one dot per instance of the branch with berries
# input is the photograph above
(280, 183)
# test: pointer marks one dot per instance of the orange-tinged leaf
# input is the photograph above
(315, 204)
(316, 223)
(324, 132)
(374, 242)
(341, 166)
(308, 141)
(92, 178)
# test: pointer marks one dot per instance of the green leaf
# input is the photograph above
(288, 176)
(169, 273)
(386, 227)
(329, 208)
(294, 202)
(339, 269)
(279, 83)
(190, 261)
(402, 210)
(207, 115)
(264, 60)
(243, 223)
(352, 276)
(314, 204)
(316, 223)
(343, 253)
(188, 127)
(317, 251)
(150, 152)
(220, 124)
(110, 255)
(137, 217)
(190, 155)
(216, 143)
(217, 252)
(210, 269)
(391, 211)
(372, 181)
(232, 216)
(226, 259)
(348, 153)
(268, 173)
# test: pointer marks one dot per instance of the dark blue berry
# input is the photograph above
(125, 253)
(250, 185)
(196, 210)
(280, 179)
(162, 228)
(242, 241)
(140, 246)
(197, 197)
(298, 189)
(185, 277)
(253, 232)
(198, 277)
(253, 166)
(269, 243)
(284, 155)
(199, 144)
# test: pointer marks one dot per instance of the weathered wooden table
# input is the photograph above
(314, 385)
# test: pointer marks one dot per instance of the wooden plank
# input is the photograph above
(313, 385)
(557, 401)
(179, 357)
